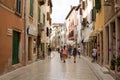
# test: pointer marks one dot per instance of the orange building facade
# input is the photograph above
(11, 35)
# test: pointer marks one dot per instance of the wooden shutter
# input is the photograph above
(83, 4)
(81, 11)
(15, 48)
(93, 14)
(48, 15)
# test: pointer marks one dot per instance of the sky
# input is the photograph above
(61, 9)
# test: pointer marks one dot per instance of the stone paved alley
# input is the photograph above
(55, 69)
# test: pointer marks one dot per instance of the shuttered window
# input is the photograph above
(83, 4)
(80, 11)
(31, 7)
(93, 14)
(97, 5)
(47, 31)
(39, 12)
(48, 15)
(44, 19)
(18, 6)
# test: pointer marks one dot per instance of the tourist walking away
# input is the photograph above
(94, 54)
(79, 49)
(64, 53)
(69, 51)
(60, 51)
(49, 51)
(74, 54)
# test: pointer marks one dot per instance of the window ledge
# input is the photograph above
(18, 14)
(30, 18)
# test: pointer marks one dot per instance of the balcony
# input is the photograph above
(40, 27)
(41, 2)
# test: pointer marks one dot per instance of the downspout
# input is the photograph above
(25, 32)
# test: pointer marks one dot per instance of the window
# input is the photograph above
(44, 19)
(18, 6)
(31, 7)
(80, 11)
(48, 16)
(97, 5)
(47, 31)
(93, 15)
(83, 5)
(39, 15)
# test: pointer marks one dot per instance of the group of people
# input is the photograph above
(68, 51)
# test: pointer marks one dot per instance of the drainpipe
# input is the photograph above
(25, 32)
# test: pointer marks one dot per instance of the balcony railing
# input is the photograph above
(41, 2)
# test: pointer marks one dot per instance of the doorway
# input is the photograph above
(29, 48)
(15, 47)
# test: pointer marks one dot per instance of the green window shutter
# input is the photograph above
(44, 19)
(39, 15)
(93, 14)
(97, 5)
(15, 48)
(31, 7)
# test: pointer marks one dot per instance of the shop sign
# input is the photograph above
(32, 30)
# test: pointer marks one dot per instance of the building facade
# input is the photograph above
(87, 25)
(71, 27)
(112, 35)
(45, 20)
(11, 35)
(31, 28)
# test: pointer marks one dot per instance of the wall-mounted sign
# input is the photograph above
(9, 32)
(32, 30)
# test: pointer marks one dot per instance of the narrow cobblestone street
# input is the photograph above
(55, 69)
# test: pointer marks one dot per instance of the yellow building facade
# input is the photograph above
(98, 29)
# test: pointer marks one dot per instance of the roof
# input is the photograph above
(70, 11)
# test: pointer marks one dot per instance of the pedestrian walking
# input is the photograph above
(74, 54)
(94, 54)
(49, 51)
(69, 51)
(60, 51)
(64, 53)
(79, 49)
